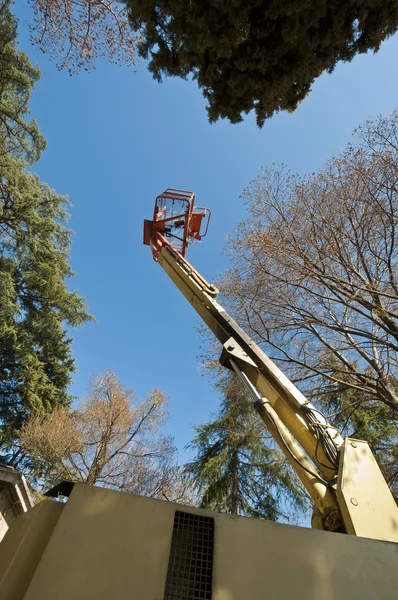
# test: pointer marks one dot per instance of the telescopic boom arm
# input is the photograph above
(342, 477)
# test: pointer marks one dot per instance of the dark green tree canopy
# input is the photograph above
(35, 353)
(18, 136)
(237, 469)
(36, 305)
(255, 54)
(362, 416)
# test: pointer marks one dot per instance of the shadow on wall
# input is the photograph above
(109, 544)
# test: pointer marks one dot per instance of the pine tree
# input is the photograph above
(360, 415)
(18, 136)
(35, 304)
(35, 351)
(254, 54)
(237, 470)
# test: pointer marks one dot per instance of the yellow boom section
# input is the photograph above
(324, 461)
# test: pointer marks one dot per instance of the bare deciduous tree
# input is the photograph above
(314, 267)
(76, 32)
(112, 440)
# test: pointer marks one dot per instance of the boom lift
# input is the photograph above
(342, 477)
(103, 543)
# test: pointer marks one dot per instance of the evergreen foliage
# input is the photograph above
(254, 54)
(237, 470)
(18, 136)
(35, 304)
(361, 416)
(35, 351)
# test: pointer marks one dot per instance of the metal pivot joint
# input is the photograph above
(322, 493)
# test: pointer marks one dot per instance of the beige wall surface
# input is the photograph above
(264, 560)
(23, 546)
(112, 545)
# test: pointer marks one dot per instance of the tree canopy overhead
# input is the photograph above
(76, 33)
(256, 54)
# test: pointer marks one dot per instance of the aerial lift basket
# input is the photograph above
(177, 219)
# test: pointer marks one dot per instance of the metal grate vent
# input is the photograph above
(189, 574)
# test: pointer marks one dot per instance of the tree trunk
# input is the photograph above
(235, 484)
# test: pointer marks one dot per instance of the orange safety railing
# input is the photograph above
(177, 219)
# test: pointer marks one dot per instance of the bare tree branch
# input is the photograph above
(113, 439)
(314, 267)
(77, 32)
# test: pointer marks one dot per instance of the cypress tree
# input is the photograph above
(237, 469)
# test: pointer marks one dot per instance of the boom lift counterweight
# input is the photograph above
(341, 475)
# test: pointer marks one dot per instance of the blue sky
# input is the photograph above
(116, 139)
